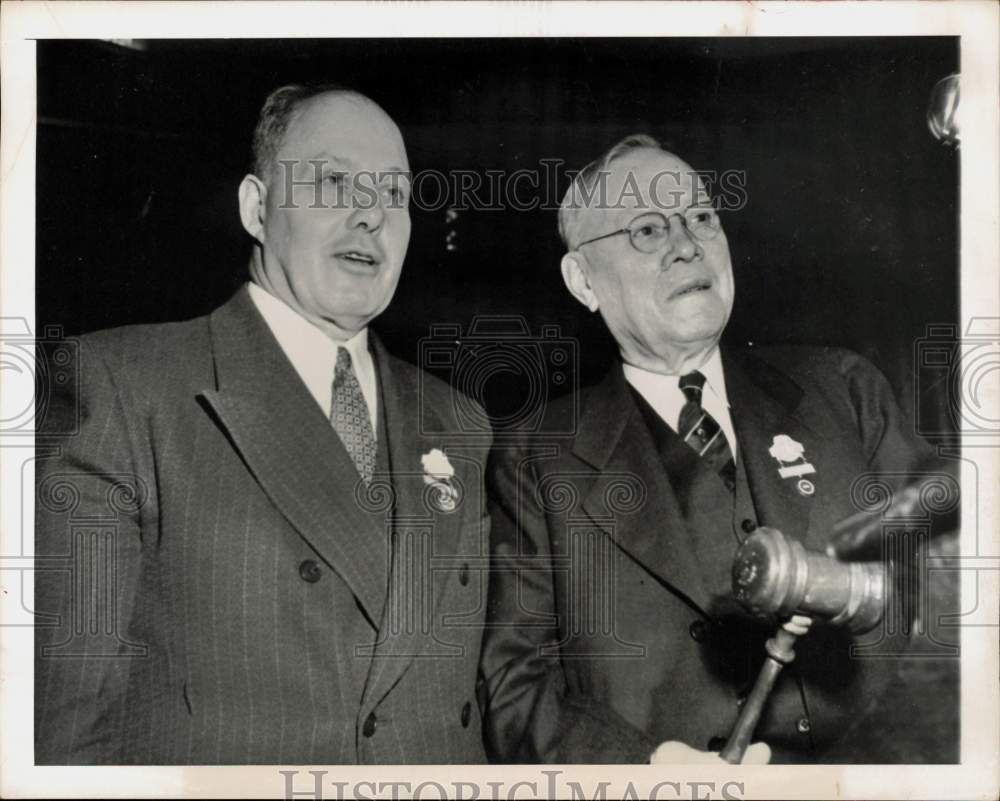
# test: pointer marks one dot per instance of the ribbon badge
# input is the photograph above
(792, 463)
(438, 474)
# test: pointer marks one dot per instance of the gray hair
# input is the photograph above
(276, 115)
(583, 186)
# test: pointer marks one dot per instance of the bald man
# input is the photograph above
(612, 635)
(279, 544)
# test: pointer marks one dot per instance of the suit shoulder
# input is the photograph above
(819, 363)
(128, 340)
(563, 412)
(547, 424)
(156, 352)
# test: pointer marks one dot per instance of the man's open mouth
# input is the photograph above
(691, 286)
(358, 257)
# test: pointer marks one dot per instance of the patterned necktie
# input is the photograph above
(702, 432)
(349, 416)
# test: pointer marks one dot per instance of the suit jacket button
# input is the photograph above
(371, 723)
(716, 743)
(698, 630)
(748, 525)
(463, 575)
(466, 714)
(803, 726)
(310, 571)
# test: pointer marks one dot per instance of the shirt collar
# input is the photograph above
(663, 393)
(312, 353)
(657, 382)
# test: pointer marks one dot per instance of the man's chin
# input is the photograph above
(352, 322)
(697, 322)
(355, 316)
(701, 331)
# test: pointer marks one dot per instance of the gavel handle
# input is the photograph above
(780, 651)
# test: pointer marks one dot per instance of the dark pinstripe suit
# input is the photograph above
(263, 613)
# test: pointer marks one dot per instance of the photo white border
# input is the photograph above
(975, 21)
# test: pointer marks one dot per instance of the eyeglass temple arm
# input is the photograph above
(604, 236)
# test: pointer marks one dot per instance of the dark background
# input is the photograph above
(849, 236)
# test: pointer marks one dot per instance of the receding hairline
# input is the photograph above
(350, 95)
(341, 94)
(571, 214)
(267, 146)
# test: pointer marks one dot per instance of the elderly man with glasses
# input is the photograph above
(612, 634)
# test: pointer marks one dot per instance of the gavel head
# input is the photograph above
(775, 575)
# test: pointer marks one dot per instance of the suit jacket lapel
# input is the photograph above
(763, 403)
(292, 451)
(421, 532)
(615, 441)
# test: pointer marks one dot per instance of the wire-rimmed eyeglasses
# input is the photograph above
(650, 231)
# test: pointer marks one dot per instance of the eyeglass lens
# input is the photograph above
(649, 232)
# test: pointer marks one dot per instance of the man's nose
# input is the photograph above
(368, 213)
(682, 241)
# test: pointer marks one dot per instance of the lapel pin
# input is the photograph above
(438, 475)
(791, 459)
(805, 487)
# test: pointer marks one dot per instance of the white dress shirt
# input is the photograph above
(664, 395)
(314, 355)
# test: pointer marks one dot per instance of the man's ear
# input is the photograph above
(253, 205)
(576, 280)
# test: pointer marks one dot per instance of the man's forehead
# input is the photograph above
(348, 129)
(636, 182)
(652, 180)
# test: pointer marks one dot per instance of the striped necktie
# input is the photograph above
(349, 416)
(702, 432)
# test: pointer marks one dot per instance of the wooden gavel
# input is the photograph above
(775, 575)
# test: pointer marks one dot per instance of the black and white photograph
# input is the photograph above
(441, 415)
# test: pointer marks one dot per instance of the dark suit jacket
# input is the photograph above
(607, 631)
(214, 586)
